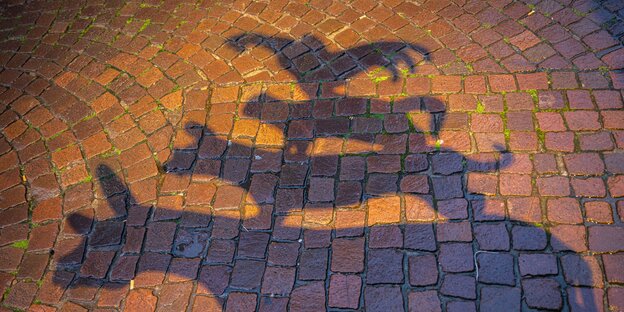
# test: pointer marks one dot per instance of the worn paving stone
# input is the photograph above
(285, 156)
(542, 293)
(496, 297)
(344, 291)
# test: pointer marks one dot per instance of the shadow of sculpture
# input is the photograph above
(255, 195)
(313, 59)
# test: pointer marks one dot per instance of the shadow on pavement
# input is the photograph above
(241, 193)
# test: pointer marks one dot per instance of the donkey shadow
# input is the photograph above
(139, 241)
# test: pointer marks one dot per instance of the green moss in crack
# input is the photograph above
(21, 244)
(480, 108)
(146, 23)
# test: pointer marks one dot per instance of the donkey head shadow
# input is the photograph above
(312, 59)
(199, 230)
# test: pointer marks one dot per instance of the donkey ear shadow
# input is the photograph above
(503, 162)
(78, 221)
(109, 182)
(192, 125)
(104, 171)
(500, 148)
(181, 158)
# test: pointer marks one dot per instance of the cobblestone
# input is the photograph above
(254, 155)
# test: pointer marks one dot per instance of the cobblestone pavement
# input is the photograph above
(312, 155)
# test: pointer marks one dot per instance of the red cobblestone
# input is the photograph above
(344, 291)
(598, 211)
(446, 84)
(532, 81)
(425, 301)
(461, 286)
(379, 298)
(500, 83)
(569, 237)
(605, 238)
(308, 297)
(613, 267)
(140, 300)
